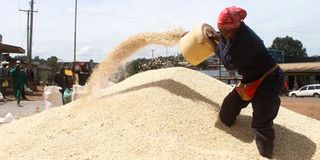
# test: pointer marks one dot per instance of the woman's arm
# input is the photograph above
(223, 52)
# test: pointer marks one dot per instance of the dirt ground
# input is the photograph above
(29, 106)
(306, 106)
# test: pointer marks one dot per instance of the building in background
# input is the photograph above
(301, 73)
(217, 70)
(5, 49)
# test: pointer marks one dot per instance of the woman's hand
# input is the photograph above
(213, 36)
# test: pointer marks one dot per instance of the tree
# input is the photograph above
(53, 63)
(22, 58)
(44, 76)
(36, 58)
(204, 65)
(291, 47)
(40, 60)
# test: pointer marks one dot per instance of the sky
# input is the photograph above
(103, 24)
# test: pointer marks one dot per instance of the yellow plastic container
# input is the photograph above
(195, 45)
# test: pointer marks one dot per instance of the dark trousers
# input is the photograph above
(18, 92)
(23, 93)
(265, 109)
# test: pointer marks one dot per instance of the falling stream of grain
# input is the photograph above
(121, 53)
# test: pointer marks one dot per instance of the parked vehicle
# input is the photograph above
(312, 90)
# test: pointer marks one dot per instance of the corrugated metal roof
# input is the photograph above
(4, 48)
(301, 67)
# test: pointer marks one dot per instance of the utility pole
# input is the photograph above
(29, 30)
(75, 32)
(152, 50)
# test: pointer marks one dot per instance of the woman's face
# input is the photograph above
(228, 33)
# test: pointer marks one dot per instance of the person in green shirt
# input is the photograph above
(19, 79)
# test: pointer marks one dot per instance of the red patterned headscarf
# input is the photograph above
(231, 18)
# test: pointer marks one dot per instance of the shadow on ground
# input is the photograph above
(289, 145)
(173, 87)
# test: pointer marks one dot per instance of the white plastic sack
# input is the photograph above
(1, 97)
(78, 90)
(7, 119)
(27, 90)
(52, 96)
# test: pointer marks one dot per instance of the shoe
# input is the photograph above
(265, 148)
(20, 105)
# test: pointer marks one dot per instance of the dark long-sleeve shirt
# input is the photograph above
(3, 73)
(19, 78)
(247, 54)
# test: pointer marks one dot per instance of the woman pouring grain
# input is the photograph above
(242, 50)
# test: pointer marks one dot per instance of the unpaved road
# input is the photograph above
(306, 106)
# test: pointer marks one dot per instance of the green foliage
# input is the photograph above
(44, 75)
(143, 64)
(22, 58)
(203, 65)
(53, 63)
(41, 61)
(291, 47)
(132, 67)
(35, 59)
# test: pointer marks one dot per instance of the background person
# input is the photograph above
(4, 78)
(19, 80)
